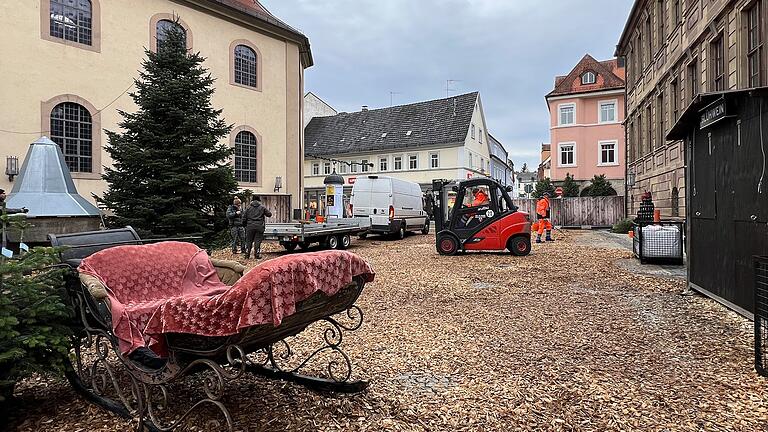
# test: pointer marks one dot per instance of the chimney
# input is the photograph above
(365, 107)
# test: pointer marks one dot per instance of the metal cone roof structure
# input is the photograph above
(45, 185)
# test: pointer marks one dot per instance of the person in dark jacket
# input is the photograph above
(10, 210)
(254, 220)
(235, 218)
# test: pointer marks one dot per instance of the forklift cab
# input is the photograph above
(478, 214)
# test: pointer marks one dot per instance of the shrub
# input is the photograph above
(542, 186)
(600, 187)
(623, 226)
(570, 187)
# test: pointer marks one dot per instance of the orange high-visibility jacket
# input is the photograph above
(542, 207)
(480, 199)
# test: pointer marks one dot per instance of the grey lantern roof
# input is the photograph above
(45, 186)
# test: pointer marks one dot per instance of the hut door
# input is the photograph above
(752, 206)
(704, 167)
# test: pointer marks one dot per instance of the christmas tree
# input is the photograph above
(172, 175)
(600, 187)
(570, 187)
(542, 186)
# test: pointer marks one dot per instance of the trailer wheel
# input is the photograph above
(290, 246)
(519, 246)
(425, 230)
(447, 245)
(332, 242)
(345, 241)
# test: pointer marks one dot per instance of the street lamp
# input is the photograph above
(630, 179)
(12, 167)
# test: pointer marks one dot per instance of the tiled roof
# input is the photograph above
(436, 122)
(609, 76)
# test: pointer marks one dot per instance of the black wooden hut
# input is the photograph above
(726, 146)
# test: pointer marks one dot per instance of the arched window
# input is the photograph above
(162, 29)
(246, 157)
(72, 130)
(588, 78)
(72, 20)
(246, 66)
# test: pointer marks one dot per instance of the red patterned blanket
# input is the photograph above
(172, 287)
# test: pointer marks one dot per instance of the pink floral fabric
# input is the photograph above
(172, 287)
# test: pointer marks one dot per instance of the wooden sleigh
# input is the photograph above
(139, 390)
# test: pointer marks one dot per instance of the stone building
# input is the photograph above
(68, 65)
(674, 50)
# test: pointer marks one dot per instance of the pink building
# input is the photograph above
(586, 114)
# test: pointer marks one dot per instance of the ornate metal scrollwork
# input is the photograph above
(281, 357)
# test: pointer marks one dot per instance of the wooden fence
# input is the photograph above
(579, 212)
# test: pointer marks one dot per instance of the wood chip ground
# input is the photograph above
(560, 340)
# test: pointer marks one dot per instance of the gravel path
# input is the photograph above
(560, 340)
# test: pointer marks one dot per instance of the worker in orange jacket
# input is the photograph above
(542, 216)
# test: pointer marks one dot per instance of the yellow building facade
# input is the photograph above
(68, 66)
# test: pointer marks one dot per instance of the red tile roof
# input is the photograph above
(609, 76)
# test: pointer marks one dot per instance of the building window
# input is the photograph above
(398, 163)
(480, 136)
(72, 20)
(472, 129)
(649, 39)
(342, 168)
(246, 157)
(383, 164)
(717, 49)
(567, 114)
(661, 20)
(754, 45)
(246, 66)
(162, 29)
(469, 158)
(353, 167)
(608, 153)
(72, 130)
(315, 169)
(693, 78)
(649, 129)
(482, 164)
(640, 135)
(640, 54)
(660, 116)
(326, 168)
(434, 160)
(588, 78)
(567, 154)
(676, 12)
(413, 162)
(631, 141)
(675, 95)
(364, 167)
(608, 112)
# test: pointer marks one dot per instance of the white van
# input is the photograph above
(394, 206)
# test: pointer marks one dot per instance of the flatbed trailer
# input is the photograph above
(334, 234)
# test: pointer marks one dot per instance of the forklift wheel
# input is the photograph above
(447, 245)
(519, 246)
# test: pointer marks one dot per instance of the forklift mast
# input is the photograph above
(438, 189)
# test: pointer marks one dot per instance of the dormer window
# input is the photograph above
(588, 78)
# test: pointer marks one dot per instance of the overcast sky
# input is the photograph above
(508, 50)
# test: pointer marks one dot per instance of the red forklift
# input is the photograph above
(478, 215)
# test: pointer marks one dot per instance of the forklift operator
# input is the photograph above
(481, 198)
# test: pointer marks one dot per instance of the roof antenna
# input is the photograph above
(448, 88)
(391, 97)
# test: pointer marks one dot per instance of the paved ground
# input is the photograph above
(560, 340)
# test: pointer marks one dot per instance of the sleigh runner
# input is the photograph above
(133, 343)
